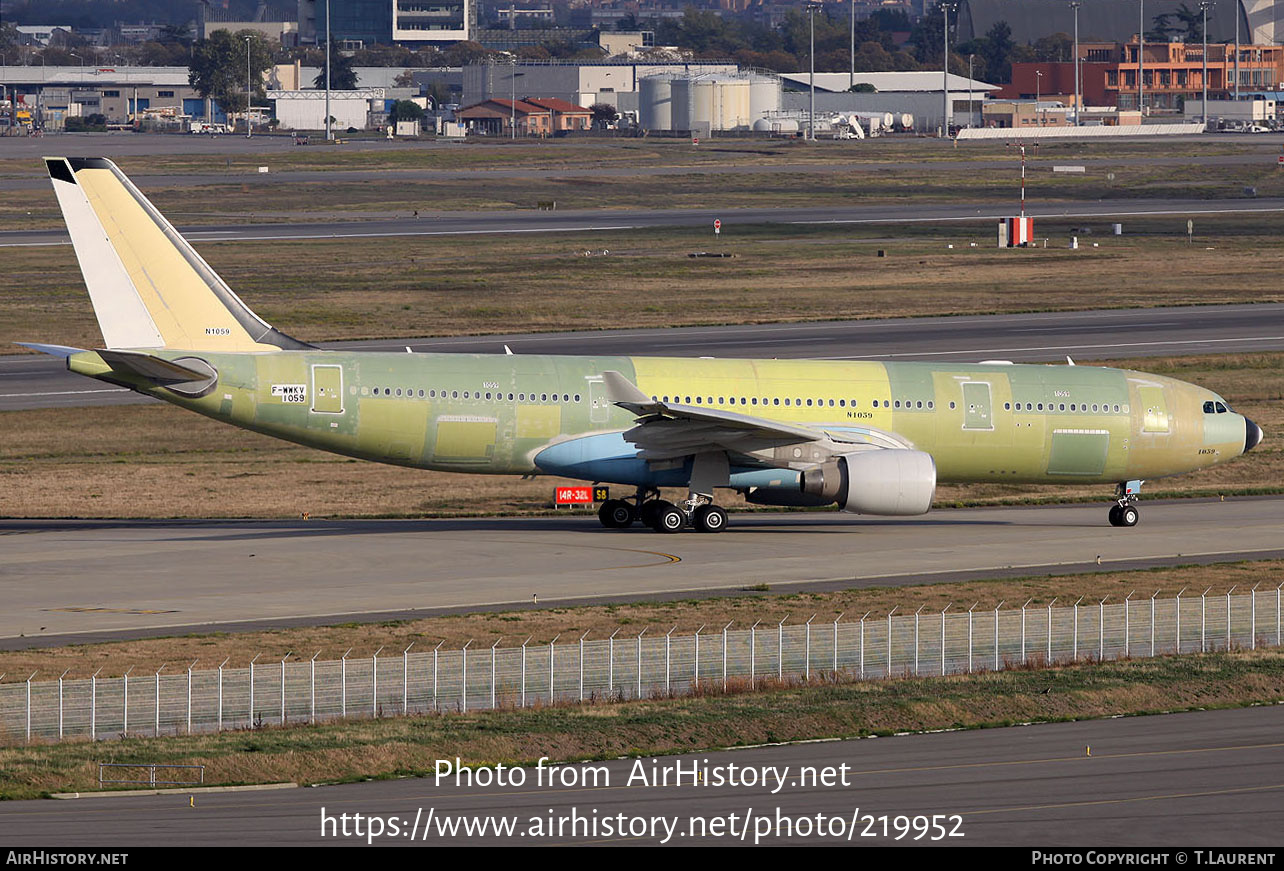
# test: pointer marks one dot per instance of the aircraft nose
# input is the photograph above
(1252, 435)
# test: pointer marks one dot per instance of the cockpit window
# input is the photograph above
(1208, 407)
(1222, 409)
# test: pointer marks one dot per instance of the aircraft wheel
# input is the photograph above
(709, 518)
(1128, 516)
(616, 514)
(648, 511)
(1114, 515)
(668, 519)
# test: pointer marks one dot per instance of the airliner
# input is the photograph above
(873, 438)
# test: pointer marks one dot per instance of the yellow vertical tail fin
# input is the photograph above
(149, 287)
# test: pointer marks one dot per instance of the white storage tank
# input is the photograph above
(655, 103)
(764, 95)
(731, 104)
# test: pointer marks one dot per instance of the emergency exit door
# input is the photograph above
(977, 413)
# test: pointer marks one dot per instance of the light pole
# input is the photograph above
(1141, 60)
(970, 105)
(1078, 103)
(1237, 52)
(852, 83)
(1038, 90)
(1203, 9)
(812, 9)
(946, 9)
(329, 132)
(512, 104)
(248, 126)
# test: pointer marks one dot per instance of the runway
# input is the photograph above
(586, 221)
(1190, 780)
(43, 382)
(92, 580)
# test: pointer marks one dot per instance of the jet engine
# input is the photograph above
(887, 481)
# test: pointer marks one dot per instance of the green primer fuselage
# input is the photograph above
(493, 414)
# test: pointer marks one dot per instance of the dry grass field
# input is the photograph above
(324, 290)
(381, 179)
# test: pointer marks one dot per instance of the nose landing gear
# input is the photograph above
(1124, 512)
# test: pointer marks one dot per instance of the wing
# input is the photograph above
(671, 430)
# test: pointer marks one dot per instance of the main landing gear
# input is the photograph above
(699, 512)
(1124, 511)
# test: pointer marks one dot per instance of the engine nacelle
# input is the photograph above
(890, 482)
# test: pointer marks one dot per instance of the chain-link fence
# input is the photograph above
(642, 666)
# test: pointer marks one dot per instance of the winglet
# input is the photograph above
(626, 394)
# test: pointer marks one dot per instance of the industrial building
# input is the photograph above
(305, 110)
(407, 22)
(53, 94)
(918, 93)
(616, 82)
(1260, 21)
(1173, 73)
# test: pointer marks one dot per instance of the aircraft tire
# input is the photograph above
(1114, 515)
(669, 519)
(648, 511)
(616, 514)
(709, 518)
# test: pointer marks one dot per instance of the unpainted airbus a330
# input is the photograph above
(873, 438)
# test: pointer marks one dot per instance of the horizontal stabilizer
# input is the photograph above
(152, 368)
(61, 351)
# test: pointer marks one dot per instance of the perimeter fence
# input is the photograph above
(647, 665)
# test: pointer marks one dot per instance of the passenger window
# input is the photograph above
(577, 397)
(786, 402)
(776, 401)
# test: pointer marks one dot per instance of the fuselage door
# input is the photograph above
(327, 389)
(977, 411)
(1156, 409)
(599, 405)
